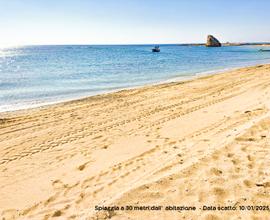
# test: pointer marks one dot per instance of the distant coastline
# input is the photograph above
(230, 44)
(144, 44)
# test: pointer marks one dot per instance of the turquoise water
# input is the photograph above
(36, 75)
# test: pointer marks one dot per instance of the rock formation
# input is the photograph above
(212, 42)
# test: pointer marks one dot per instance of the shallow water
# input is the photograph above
(36, 75)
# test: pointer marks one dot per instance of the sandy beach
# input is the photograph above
(203, 142)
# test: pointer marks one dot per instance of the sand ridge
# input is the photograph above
(194, 143)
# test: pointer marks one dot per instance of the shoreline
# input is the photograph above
(201, 141)
(164, 81)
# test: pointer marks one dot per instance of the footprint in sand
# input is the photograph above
(220, 193)
(82, 166)
(248, 183)
(215, 171)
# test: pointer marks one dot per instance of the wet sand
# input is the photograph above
(201, 142)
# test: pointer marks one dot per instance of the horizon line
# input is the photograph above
(125, 44)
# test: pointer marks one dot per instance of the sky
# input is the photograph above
(31, 22)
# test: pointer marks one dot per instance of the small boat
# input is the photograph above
(156, 49)
(264, 50)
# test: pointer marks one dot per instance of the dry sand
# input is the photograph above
(195, 143)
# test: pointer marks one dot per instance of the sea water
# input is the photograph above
(36, 75)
